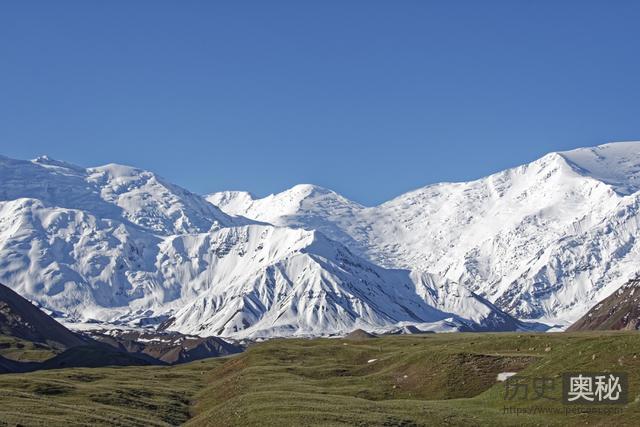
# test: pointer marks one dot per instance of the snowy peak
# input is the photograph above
(149, 201)
(113, 191)
(47, 161)
(267, 281)
(305, 206)
(616, 164)
(121, 245)
(289, 202)
(303, 192)
(232, 201)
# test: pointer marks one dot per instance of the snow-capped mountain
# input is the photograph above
(307, 206)
(113, 192)
(267, 281)
(118, 244)
(121, 245)
(541, 241)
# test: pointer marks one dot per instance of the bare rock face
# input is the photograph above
(619, 311)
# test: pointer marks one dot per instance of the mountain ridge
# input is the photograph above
(500, 235)
(618, 311)
(19, 318)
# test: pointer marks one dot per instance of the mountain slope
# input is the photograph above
(540, 240)
(19, 318)
(296, 282)
(83, 241)
(620, 310)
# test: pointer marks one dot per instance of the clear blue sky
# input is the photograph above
(369, 98)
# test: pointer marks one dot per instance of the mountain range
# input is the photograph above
(121, 246)
(541, 241)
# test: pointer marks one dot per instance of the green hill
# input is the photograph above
(435, 379)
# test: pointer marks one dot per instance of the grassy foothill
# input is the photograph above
(434, 379)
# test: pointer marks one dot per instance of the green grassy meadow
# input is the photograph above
(434, 379)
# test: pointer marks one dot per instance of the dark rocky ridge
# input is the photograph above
(619, 311)
(20, 318)
(168, 347)
(359, 334)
